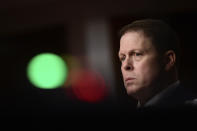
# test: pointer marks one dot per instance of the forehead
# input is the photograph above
(135, 41)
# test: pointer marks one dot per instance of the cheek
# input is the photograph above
(147, 71)
(122, 71)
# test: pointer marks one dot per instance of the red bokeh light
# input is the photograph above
(90, 87)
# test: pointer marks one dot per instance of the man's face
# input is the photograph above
(140, 63)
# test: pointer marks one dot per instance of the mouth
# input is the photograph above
(130, 79)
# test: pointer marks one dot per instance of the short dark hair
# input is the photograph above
(162, 36)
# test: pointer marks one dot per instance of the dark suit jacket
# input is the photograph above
(175, 98)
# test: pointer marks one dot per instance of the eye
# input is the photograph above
(138, 56)
(122, 58)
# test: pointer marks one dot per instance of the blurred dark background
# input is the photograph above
(87, 30)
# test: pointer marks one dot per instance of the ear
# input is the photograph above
(169, 60)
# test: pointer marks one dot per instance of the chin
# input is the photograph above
(132, 90)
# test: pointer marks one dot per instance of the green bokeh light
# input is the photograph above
(47, 71)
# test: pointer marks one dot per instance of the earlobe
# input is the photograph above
(170, 59)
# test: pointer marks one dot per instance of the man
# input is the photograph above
(149, 54)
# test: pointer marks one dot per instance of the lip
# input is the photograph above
(129, 79)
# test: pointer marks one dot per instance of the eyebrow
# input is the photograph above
(120, 53)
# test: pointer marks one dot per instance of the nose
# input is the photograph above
(128, 64)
